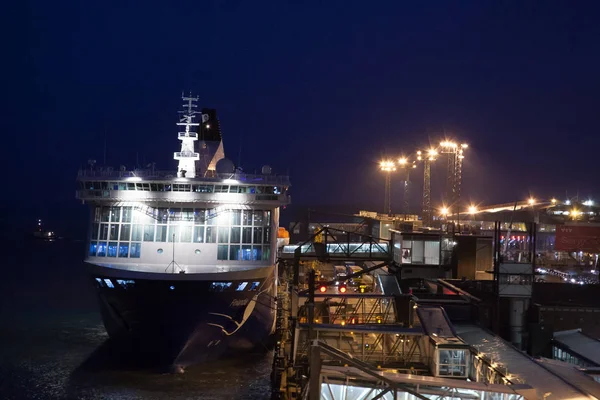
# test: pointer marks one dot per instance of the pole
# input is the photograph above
(426, 192)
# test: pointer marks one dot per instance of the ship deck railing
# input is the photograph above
(112, 174)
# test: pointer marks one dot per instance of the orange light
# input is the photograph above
(322, 288)
(342, 288)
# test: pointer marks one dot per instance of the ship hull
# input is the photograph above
(181, 320)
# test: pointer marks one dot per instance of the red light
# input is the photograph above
(322, 288)
(342, 289)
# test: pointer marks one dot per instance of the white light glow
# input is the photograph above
(134, 179)
(231, 181)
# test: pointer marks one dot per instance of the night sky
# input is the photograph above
(321, 90)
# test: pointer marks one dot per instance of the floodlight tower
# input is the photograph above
(455, 153)
(427, 160)
(388, 166)
(405, 164)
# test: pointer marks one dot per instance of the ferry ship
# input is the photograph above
(184, 260)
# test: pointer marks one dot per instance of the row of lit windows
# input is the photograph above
(115, 249)
(224, 252)
(214, 286)
(181, 233)
(243, 253)
(199, 216)
(179, 187)
(239, 286)
(124, 283)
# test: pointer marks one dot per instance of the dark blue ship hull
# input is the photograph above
(186, 321)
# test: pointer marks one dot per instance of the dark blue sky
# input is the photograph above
(322, 89)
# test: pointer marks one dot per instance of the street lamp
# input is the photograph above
(445, 211)
(472, 210)
(403, 162)
(388, 167)
(531, 201)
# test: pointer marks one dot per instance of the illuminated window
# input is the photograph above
(113, 232)
(173, 234)
(241, 286)
(234, 252)
(246, 235)
(123, 249)
(266, 255)
(136, 233)
(103, 231)
(100, 283)
(135, 249)
(101, 249)
(219, 286)
(235, 235)
(125, 233)
(186, 234)
(199, 216)
(125, 283)
(223, 236)
(211, 234)
(93, 249)
(256, 253)
(258, 232)
(452, 362)
(254, 286)
(148, 233)
(109, 283)
(246, 253)
(222, 251)
(161, 233)
(199, 234)
(112, 249)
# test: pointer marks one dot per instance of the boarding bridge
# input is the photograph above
(334, 244)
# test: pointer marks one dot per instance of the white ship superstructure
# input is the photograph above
(185, 256)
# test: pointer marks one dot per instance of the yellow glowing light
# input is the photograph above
(531, 201)
(553, 201)
(402, 161)
(448, 143)
(472, 210)
(386, 165)
(432, 152)
(464, 146)
(444, 211)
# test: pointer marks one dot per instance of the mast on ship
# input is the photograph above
(187, 156)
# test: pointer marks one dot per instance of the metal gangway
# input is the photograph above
(334, 244)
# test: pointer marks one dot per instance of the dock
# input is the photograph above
(339, 340)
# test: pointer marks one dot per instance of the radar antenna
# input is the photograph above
(187, 156)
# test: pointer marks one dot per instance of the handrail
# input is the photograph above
(242, 178)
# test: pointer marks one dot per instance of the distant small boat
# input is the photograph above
(41, 233)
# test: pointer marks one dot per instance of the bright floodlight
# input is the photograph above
(588, 203)
(553, 201)
(387, 165)
(448, 143)
(402, 161)
(531, 201)
(472, 210)
(464, 145)
(445, 211)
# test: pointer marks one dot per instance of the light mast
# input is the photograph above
(187, 156)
